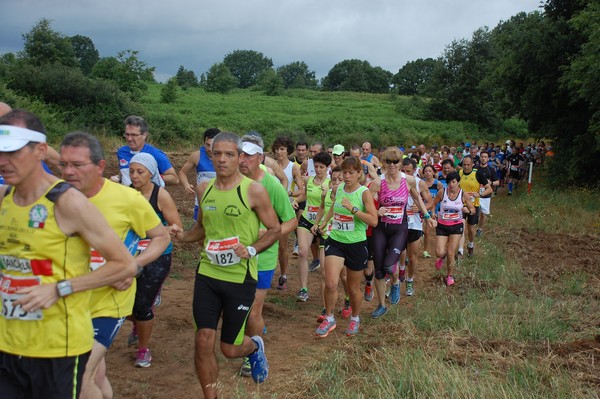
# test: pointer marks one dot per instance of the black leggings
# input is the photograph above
(389, 240)
(149, 283)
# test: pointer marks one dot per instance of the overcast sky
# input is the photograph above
(197, 34)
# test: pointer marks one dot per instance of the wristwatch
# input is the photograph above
(251, 251)
(354, 210)
(64, 288)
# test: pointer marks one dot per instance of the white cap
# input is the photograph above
(13, 138)
(251, 148)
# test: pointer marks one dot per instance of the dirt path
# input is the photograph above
(290, 341)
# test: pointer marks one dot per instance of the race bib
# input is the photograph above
(449, 215)
(96, 260)
(343, 222)
(142, 245)
(395, 213)
(221, 253)
(9, 286)
(514, 168)
(311, 213)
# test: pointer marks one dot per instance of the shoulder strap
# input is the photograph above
(58, 190)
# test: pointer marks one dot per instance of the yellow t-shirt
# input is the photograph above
(470, 184)
(33, 251)
(130, 215)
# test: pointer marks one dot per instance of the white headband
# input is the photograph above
(13, 138)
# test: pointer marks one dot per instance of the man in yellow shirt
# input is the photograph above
(131, 216)
(46, 229)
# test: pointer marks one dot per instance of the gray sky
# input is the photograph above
(197, 34)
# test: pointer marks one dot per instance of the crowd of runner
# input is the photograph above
(363, 219)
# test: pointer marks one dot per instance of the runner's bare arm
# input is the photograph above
(426, 195)
(170, 177)
(76, 215)
(196, 231)
(271, 163)
(370, 214)
(190, 164)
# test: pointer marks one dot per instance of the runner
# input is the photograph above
(368, 155)
(450, 223)
(82, 164)
(489, 174)
(390, 234)
(46, 228)
(231, 208)
(470, 182)
(315, 187)
(346, 246)
(136, 134)
(415, 222)
(282, 147)
(143, 171)
(514, 162)
(434, 186)
(250, 166)
(199, 160)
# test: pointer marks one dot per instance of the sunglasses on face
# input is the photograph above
(392, 161)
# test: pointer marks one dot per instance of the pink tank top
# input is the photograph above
(451, 210)
(395, 200)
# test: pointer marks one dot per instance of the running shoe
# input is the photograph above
(295, 251)
(368, 292)
(479, 233)
(353, 328)
(410, 290)
(132, 339)
(439, 263)
(379, 311)
(258, 361)
(322, 316)
(346, 310)
(314, 265)
(302, 295)
(470, 251)
(510, 193)
(282, 285)
(395, 294)
(449, 281)
(402, 275)
(143, 358)
(426, 254)
(461, 252)
(246, 370)
(325, 328)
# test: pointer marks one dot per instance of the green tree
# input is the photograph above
(246, 66)
(357, 75)
(296, 75)
(168, 93)
(46, 46)
(127, 71)
(219, 79)
(413, 78)
(85, 52)
(185, 78)
(271, 82)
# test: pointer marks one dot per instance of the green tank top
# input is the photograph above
(314, 195)
(346, 227)
(227, 220)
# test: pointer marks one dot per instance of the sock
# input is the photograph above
(357, 318)
(397, 284)
(369, 278)
(409, 279)
(284, 276)
(330, 319)
(470, 245)
(403, 267)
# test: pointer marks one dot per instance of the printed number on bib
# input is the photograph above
(395, 213)
(9, 286)
(221, 253)
(451, 215)
(343, 222)
(311, 213)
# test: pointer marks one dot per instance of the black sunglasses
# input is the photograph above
(392, 161)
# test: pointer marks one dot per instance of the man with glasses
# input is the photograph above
(136, 133)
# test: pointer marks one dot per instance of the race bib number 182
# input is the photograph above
(221, 253)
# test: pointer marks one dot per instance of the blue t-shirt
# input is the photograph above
(124, 155)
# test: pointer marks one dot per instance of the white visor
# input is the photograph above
(13, 138)
(251, 148)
